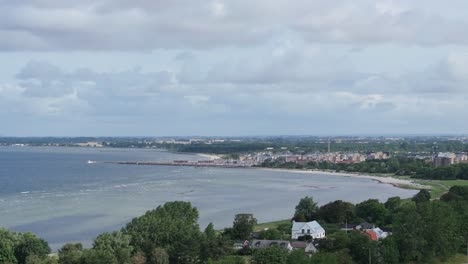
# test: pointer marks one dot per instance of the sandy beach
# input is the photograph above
(401, 183)
(210, 156)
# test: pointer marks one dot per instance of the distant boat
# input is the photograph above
(91, 161)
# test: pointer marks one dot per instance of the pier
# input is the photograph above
(203, 163)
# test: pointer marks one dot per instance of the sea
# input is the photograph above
(55, 193)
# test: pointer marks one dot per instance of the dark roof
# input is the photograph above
(366, 225)
(299, 244)
(269, 243)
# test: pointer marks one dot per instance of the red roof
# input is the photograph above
(372, 235)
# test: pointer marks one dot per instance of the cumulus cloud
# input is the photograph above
(212, 105)
(137, 25)
(233, 67)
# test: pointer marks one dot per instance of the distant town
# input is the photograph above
(440, 151)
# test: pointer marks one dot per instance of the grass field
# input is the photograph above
(275, 224)
(438, 188)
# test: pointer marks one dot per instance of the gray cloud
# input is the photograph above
(158, 101)
(140, 25)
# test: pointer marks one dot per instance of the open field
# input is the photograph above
(274, 224)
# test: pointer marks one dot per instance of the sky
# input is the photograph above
(233, 68)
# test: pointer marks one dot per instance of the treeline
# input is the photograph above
(310, 146)
(402, 166)
(457, 171)
(397, 165)
(423, 231)
(296, 145)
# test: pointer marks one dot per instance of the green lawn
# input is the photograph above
(457, 259)
(275, 224)
(438, 187)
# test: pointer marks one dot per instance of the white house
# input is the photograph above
(313, 229)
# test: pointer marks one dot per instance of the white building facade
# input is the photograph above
(313, 229)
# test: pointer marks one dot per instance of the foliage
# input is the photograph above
(117, 244)
(243, 226)
(337, 257)
(158, 256)
(422, 196)
(270, 234)
(172, 226)
(213, 245)
(30, 245)
(306, 210)
(336, 241)
(361, 247)
(270, 255)
(337, 212)
(93, 256)
(8, 242)
(228, 260)
(457, 171)
(70, 253)
(372, 211)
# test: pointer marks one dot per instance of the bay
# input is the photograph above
(55, 193)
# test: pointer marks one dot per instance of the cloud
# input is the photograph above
(266, 98)
(181, 24)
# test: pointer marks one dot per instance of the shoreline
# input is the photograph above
(210, 156)
(399, 183)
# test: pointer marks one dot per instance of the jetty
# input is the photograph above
(185, 163)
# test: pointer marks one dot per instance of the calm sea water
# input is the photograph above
(54, 193)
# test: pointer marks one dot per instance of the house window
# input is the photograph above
(303, 231)
(308, 231)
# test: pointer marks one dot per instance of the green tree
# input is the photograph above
(93, 256)
(388, 249)
(8, 242)
(409, 234)
(158, 256)
(139, 258)
(298, 256)
(172, 226)
(336, 241)
(337, 212)
(31, 245)
(70, 254)
(393, 203)
(228, 260)
(442, 231)
(337, 257)
(213, 245)
(306, 210)
(372, 210)
(243, 226)
(117, 244)
(360, 247)
(270, 255)
(422, 196)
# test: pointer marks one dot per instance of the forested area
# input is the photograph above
(299, 146)
(400, 166)
(423, 231)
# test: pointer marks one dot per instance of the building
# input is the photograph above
(313, 229)
(444, 159)
(308, 248)
(270, 243)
